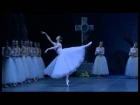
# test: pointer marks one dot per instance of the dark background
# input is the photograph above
(118, 31)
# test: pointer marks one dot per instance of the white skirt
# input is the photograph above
(42, 65)
(26, 69)
(20, 69)
(32, 68)
(100, 66)
(38, 69)
(66, 62)
(132, 67)
(9, 71)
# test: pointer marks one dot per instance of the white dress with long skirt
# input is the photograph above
(38, 66)
(100, 66)
(66, 62)
(24, 60)
(9, 71)
(19, 65)
(31, 65)
(132, 64)
(41, 63)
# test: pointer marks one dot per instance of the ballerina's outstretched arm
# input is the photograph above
(51, 48)
(48, 37)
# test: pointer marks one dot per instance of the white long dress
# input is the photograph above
(41, 63)
(19, 65)
(100, 66)
(25, 64)
(132, 64)
(9, 71)
(66, 62)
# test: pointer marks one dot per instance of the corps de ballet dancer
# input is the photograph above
(40, 60)
(132, 63)
(31, 66)
(9, 71)
(34, 60)
(23, 57)
(100, 66)
(67, 61)
(19, 64)
(36, 52)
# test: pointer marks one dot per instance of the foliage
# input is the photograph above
(85, 74)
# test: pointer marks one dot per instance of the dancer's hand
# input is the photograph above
(46, 51)
(42, 32)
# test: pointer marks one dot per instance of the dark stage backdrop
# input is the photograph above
(117, 30)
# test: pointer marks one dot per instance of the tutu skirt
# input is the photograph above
(100, 66)
(38, 69)
(132, 67)
(9, 71)
(67, 61)
(20, 69)
(42, 65)
(26, 69)
(32, 68)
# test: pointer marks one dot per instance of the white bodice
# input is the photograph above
(59, 49)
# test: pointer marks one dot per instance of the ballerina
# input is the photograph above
(132, 63)
(36, 52)
(19, 64)
(34, 60)
(9, 71)
(100, 66)
(32, 68)
(23, 57)
(40, 60)
(67, 61)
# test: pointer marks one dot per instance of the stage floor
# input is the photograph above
(77, 84)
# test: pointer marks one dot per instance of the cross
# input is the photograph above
(84, 28)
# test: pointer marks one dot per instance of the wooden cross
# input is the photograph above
(84, 28)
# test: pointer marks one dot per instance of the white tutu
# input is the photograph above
(100, 66)
(26, 69)
(9, 71)
(20, 69)
(32, 69)
(38, 69)
(42, 65)
(132, 67)
(66, 62)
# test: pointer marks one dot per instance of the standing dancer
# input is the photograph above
(31, 66)
(19, 64)
(100, 66)
(39, 71)
(67, 61)
(23, 57)
(9, 71)
(34, 61)
(40, 60)
(132, 63)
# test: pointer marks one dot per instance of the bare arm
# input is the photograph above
(3, 48)
(103, 51)
(96, 51)
(130, 52)
(51, 48)
(48, 37)
(2, 51)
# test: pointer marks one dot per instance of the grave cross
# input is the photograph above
(84, 28)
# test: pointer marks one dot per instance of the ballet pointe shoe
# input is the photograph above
(88, 44)
(67, 83)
